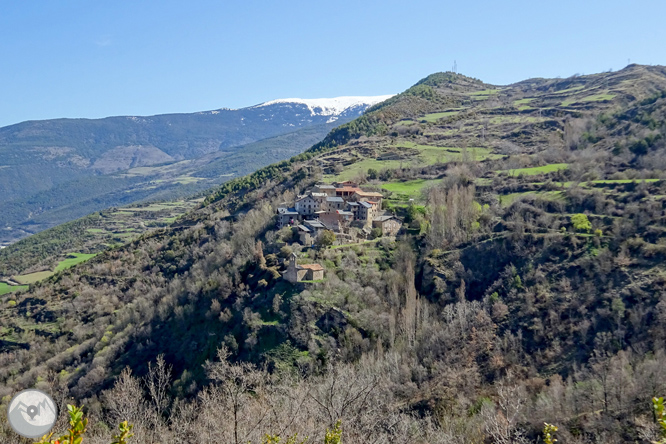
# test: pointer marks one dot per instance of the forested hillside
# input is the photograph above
(527, 286)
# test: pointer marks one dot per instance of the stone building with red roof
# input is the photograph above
(304, 272)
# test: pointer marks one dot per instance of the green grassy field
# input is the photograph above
(523, 101)
(410, 188)
(362, 166)
(430, 155)
(433, 117)
(31, 278)
(610, 181)
(523, 104)
(570, 90)
(73, 259)
(601, 182)
(537, 170)
(6, 288)
(593, 98)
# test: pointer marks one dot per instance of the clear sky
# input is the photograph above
(81, 58)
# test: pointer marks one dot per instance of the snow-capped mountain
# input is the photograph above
(336, 106)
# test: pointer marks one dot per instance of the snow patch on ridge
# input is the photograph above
(330, 107)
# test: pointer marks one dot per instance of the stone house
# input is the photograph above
(390, 225)
(368, 196)
(316, 226)
(336, 220)
(376, 208)
(335, 203)
(346, 192)
(353, 207)
(308, 205)
(325, 188)
(306, 236)
(321, 198)
(307, 272)
(287, 216)
(366, 212)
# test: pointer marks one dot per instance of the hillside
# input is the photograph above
(527, 284)
(58, 170)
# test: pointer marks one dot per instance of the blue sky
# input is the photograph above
(76, 58)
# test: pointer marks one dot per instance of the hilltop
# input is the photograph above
(526, 284)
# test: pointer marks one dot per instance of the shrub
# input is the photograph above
(271, 260)
(334, 436)
(548, 431)
(326, 239)
(77, 427)
(286, 251)
(581, 223)
(660, 415)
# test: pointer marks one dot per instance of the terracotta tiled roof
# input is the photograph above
(350, 189)
(369, 194)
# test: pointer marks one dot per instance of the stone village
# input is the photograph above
(343, 208)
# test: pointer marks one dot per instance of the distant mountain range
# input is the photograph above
(52, 171)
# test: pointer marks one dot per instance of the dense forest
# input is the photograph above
(527, 286)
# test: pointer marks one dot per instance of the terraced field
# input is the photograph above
(73, 259)
(433, 117)
(410, 188)
(507, 199)
(6, 288)
(532, 171)
(31, 278)
(109, 228)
